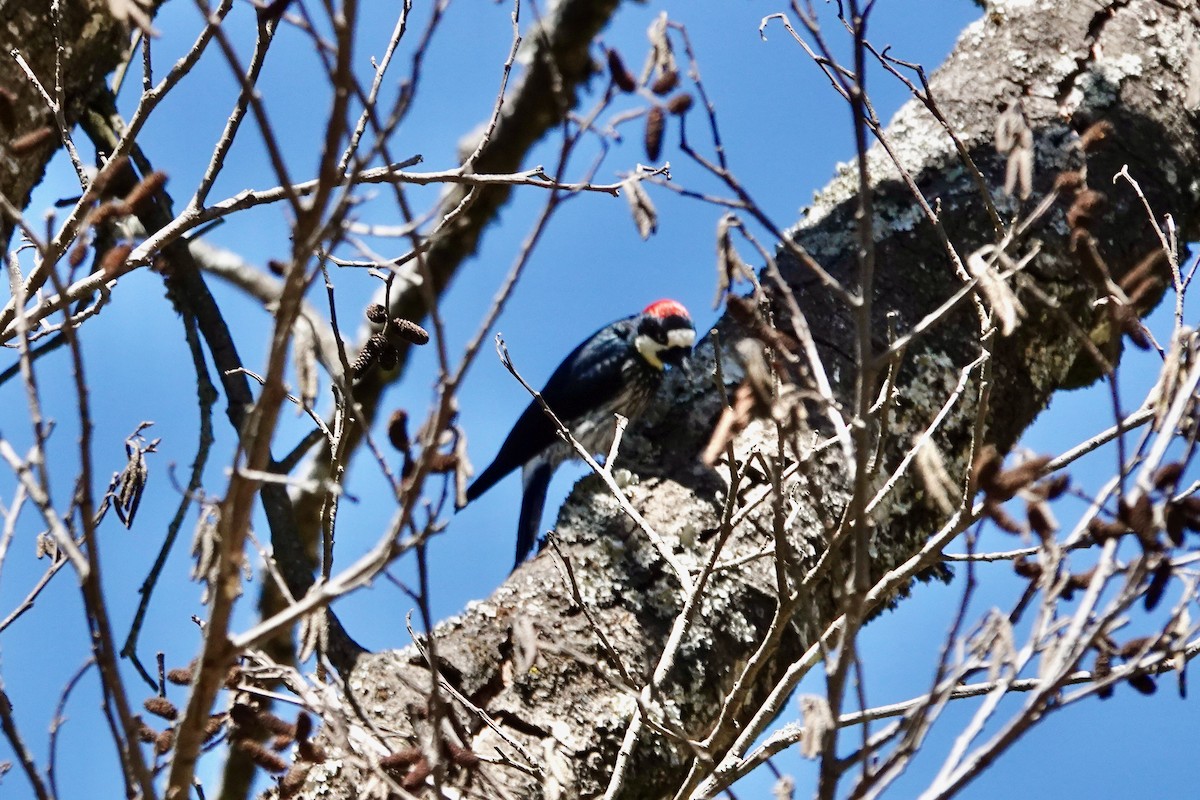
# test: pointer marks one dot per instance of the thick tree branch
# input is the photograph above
(536, 666)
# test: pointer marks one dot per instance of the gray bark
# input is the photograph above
(1122, 62)
(92, 45)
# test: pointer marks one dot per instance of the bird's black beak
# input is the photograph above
(679, 357)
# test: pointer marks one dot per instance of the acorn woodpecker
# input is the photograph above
(616, 370)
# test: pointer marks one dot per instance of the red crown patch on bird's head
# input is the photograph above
(666, 308)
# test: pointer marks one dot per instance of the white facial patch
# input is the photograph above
(651, 350)
(681, 337)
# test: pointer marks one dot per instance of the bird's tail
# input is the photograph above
(537, 480)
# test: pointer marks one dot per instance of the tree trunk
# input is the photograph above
(528, 656)
(93, 43)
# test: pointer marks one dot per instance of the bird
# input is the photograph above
(616, 370)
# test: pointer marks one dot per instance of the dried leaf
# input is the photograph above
(730, 266)
(935, 479)
(999, 296)
(818, 721)
(1014, 138)
(127, 487)
(304, 351)
(645, 215)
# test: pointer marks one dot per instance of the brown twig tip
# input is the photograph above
(277, 726)
(1008, 482)
(29, 142)
(996, 513)
(656, 120)
(1096, 134)
(1147, 278)
(1068, 182)
(410, 331)
(1102, 530)
(1181, 515)
(304, 726)
(462, 756)
(1026, 568)
(113, 263)
(1087, 206)
(1139, 515)
(621, 77)
(262, 756)
(293, 781)
(180, 676)
(1144, 684)
(665, 83)
(1160, 578)
(214, 725)
(680, 104)
(1077, 582)
(1041, 521)
(397, 430)
(78, 252)
(1166, 477)
(113, 208)
(117, 175)
(417, 775)
(1101, 670)
(276, 267)
(164, 742)
(1091, 263)
(145, 191)
(376, 314)
(1055, 486)
(986, 467)
(161, 707)
(310, 752)
(144, 732)
(402, 758)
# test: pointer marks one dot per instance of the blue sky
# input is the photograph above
(785, 132)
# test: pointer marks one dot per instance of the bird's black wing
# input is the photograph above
(586, 379)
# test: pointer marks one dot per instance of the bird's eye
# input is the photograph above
(652, 328)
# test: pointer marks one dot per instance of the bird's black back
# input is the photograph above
(583, 381)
